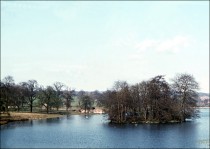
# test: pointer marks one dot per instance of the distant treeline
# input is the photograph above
(153, 100)
(27, 95)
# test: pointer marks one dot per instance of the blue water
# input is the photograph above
(77, 131)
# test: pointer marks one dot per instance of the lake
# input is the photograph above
(78, 131)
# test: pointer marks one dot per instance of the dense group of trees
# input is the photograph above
(24, 94)
(154, 100)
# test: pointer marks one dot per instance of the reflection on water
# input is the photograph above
(13, 125)
(80, 131)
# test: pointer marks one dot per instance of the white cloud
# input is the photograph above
(146, 44)
(137, 59)
(171, 45)
(174, 44)
(123, 41)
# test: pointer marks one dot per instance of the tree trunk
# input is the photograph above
(118, 111)
(31, 104)
(31, 108)
(6, 105)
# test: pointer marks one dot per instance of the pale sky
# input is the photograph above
(88, 45)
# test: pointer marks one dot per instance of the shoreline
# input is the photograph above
(5, 118)
(203, 107)
(25, 116)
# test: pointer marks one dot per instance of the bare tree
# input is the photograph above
(68, 96)
(185, 88)
(143, 103)
(31, 92)
(122, 97)
(87, 103)
(80, 94)
(6, 91)
(58, 99)
(96, 96)
(46, 97)
(18, 96)
(159, 94)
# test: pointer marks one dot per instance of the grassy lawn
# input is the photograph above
(39, 113)
(22, 116)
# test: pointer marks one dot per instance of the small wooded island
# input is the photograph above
(151, 101)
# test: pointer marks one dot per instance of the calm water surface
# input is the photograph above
(77, 131)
